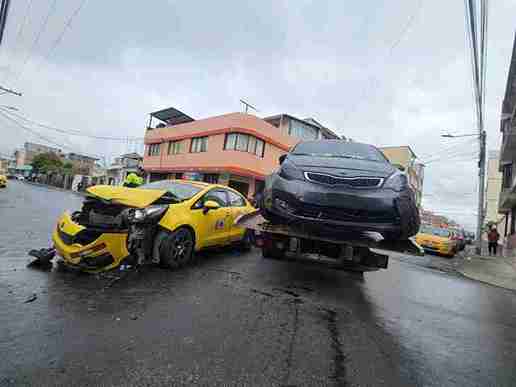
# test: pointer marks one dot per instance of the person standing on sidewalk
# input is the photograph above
(492, 237)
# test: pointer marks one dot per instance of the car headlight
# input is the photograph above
(397, 182)
(149, 214)
(289, 171)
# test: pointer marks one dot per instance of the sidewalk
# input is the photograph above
(499, 271)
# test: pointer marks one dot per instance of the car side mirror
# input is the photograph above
(210, 205)
(400, 167)
(282, 158)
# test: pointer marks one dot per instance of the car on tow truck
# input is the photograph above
(437, 240)
(164, 221)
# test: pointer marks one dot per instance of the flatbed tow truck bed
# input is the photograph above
(351, 251)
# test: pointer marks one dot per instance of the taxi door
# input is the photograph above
(212, 227)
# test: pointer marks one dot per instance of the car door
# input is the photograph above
(212, 227)
(239, 206)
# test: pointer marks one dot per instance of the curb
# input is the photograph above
(54, 188)
(484, 282)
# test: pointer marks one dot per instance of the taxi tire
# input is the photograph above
(168, 242)
(247, 241)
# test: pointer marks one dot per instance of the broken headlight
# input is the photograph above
(151, 214)
(397, 182)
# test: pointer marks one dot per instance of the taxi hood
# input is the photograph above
(130, 197)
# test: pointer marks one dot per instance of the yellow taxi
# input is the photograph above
(437, 240)
(3, 181)
(165, 221)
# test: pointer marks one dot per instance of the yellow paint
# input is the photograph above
(131, 197)
(445, 246)
(211, 228)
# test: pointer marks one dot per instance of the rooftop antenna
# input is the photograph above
(247, 105)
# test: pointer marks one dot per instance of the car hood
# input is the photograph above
(342, 166)
(131, 197)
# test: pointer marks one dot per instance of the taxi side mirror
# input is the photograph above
(210, 205)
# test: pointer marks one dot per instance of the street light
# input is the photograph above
(481, 180)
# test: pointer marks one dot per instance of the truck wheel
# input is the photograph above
(176, 248)
(272, 253)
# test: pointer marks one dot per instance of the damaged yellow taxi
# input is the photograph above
(3, 181)
(165, 222)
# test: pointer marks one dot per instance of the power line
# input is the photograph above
(36, 39)
(42, 137)
(71, 132)
(66, 27)
(19, 35)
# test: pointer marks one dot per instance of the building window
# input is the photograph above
(507, 176)
(302, 131)
(211, 178)
(199, 144)
(174, 147)
(244, 143)
(153, 150)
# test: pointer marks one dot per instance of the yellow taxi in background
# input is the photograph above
(164, 221)
(3, 181)
(437, 240)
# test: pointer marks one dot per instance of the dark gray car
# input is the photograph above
(338, 186)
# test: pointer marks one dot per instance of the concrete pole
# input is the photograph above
(481, 183)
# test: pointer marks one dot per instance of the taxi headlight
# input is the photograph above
(151, 214)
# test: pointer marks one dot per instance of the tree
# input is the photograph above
(47, 162)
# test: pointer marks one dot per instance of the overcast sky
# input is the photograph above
(387, 73)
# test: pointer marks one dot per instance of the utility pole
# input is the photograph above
(481, 183)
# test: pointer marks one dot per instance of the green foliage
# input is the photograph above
(47, 163)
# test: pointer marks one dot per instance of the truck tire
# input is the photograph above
(409, 218)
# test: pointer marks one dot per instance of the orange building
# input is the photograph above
(235, 149)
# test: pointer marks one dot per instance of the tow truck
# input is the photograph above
(357, 252)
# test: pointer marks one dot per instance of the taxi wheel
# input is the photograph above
(176, 248)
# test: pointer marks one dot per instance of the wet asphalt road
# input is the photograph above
(236, 319)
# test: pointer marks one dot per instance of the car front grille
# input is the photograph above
(355, 182)
(342, 214)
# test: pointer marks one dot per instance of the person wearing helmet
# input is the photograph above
(132, 180)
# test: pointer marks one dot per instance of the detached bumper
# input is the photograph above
(104, 253)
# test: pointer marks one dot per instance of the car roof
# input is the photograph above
(202, 184)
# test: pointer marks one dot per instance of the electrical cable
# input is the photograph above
(71, 131)
(42, 137)
(36, 40)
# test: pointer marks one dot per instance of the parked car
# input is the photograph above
(3, 181)
(166, 221)
(19, 177)
(339, 186)
(437, 240)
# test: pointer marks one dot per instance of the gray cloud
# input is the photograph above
(332, 60)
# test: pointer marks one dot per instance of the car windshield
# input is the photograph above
(342, 149)
(440, 232)
(179, 191)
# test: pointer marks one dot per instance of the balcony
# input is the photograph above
(508, 148)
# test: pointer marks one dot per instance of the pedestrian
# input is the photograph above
(492, 237)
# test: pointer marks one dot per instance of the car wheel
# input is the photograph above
(176, 248)
(410, 220)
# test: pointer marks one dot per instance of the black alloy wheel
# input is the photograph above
(176, 249)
